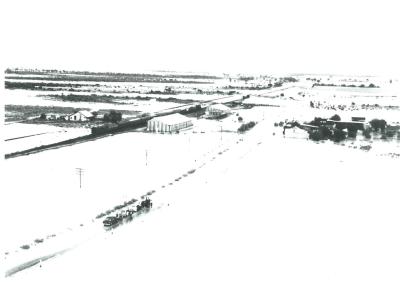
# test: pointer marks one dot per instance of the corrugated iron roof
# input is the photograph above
(172, 119)
(219, 107)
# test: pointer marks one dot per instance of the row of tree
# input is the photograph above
(246, 126)
(338, 133)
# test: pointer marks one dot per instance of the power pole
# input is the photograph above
(80, 172)
(146, 157)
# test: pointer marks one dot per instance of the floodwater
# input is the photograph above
(271, 214)
(262, 212)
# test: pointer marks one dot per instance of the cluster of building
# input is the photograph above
(82, 115)
(163, 124)
(176, 122)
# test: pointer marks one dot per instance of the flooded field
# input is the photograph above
(241, 198)
(58, 208)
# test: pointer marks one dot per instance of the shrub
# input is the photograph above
(378, 124)
(246, 126)
(338, 135)
(365, 147)
(325, 132)
(352, 133)
(367, 133)
(100, 215)
(352, 130)
(113, 116)
(318, 121)
(315, 135)
(391, 131)
(242, 128)
(336, 117)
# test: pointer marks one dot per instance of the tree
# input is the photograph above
(352, 133)
(367, 133)
(314, 135)
(336, 117)
(352, 130)
(326, 133)
(318, 121)
(42, 116)
(322, 133)
(113, 116)
(378, 124)
(338, 135)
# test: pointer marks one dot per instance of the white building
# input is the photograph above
(217, 110)
(82, 115)
(53, 116)
(169, 123)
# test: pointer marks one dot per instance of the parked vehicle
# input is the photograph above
(146, 203)
(111, 221)
(127, 214)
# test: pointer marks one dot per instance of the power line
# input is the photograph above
(80, 171)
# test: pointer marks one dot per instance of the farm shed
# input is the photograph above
(217, 110)
(169, 123)
(82, 115)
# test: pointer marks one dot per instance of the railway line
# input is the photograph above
(129, 125)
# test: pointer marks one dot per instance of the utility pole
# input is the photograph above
(146, 157)
(80, 172)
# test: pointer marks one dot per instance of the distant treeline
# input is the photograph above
(257, 87)
(103, 76)
(112, 99)
(371, 85)
(40, 86)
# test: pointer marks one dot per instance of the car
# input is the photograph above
(110, 221)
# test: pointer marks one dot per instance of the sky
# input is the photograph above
(338, 37)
